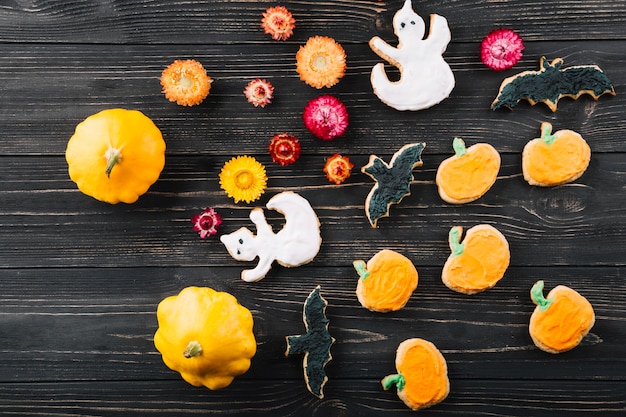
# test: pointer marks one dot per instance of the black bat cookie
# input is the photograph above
(315, 343)
(392, 181)
(551, 83)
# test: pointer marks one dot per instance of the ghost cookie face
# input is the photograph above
(425, 78)
(297, 243)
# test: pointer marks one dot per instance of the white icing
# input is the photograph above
(425, 78)
(295, 244)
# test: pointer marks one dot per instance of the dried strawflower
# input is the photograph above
(259, 92)
(186, 82)
(284, 149)
(337, 168)
(243, 178)
(278, 22)
(326, 117)
(321, 62)
(206, 223)
(501, 49)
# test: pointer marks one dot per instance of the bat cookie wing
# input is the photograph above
(392, 180)
(315, 343)
(551, 83)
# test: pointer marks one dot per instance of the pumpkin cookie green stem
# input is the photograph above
(193, 349)
(391, 380)
(361, 269)
(546, 133)
(455, 241)
(536, 294)
(459, 147)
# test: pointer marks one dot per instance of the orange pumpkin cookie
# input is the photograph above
(469, 174)
(560, 320)
(422, 378)
(555, 159)
(478, 262)
(386, 282)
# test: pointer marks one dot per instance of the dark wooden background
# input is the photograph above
(80, 280)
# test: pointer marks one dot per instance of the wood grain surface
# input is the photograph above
(80, 280)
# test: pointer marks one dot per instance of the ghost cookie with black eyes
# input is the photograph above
(297, 243)
(425, 77)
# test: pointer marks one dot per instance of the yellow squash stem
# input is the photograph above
(113, 157)
(194, 348)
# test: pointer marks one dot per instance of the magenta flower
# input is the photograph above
(501, 49)
(206, 223)
(326, 117)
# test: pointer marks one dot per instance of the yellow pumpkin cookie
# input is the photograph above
(386, 282)
(469, 174)
(560, 320)
(478, 261)
(555, 159)
(422, 378)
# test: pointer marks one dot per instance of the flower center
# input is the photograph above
(499, 50)
(320, 62)
(244, 178)
(206, 222)
(185, 81)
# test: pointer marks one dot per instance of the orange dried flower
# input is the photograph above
(278, 22)
(337, 168)
(186, 82)
(321, 62)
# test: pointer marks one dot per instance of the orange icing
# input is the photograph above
(562, 325)
(564, 160)
(482, 262)
(424, 371)
(464, 178)
(390, 281)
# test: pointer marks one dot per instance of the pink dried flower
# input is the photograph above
(259, 92)
(206, 223)
(501, 49)
(326, 117)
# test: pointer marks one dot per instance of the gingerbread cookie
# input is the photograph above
(425, 78)
(551, 83)
(386, 282)
(315, 343)
(392, 180)
(555, 159)
(297, 243)
(469, 174)
(422, 378)
(560, 320)
(478, 261)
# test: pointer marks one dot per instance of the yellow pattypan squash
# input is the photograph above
(115, 155)
(206, 336)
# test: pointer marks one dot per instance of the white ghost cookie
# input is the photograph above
(425, 78)
(297, 243)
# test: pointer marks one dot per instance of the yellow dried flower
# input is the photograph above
(243, 178)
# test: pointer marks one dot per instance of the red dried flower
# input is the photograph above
(326, 117)
(337, 168)
(259, 92)
(501, 49)
(278, 22)
(284, 149)
(206, 223)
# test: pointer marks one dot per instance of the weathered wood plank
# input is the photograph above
(48, 89)
(48, 222)
(227, 21)
(97, 323)
(485, 398)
